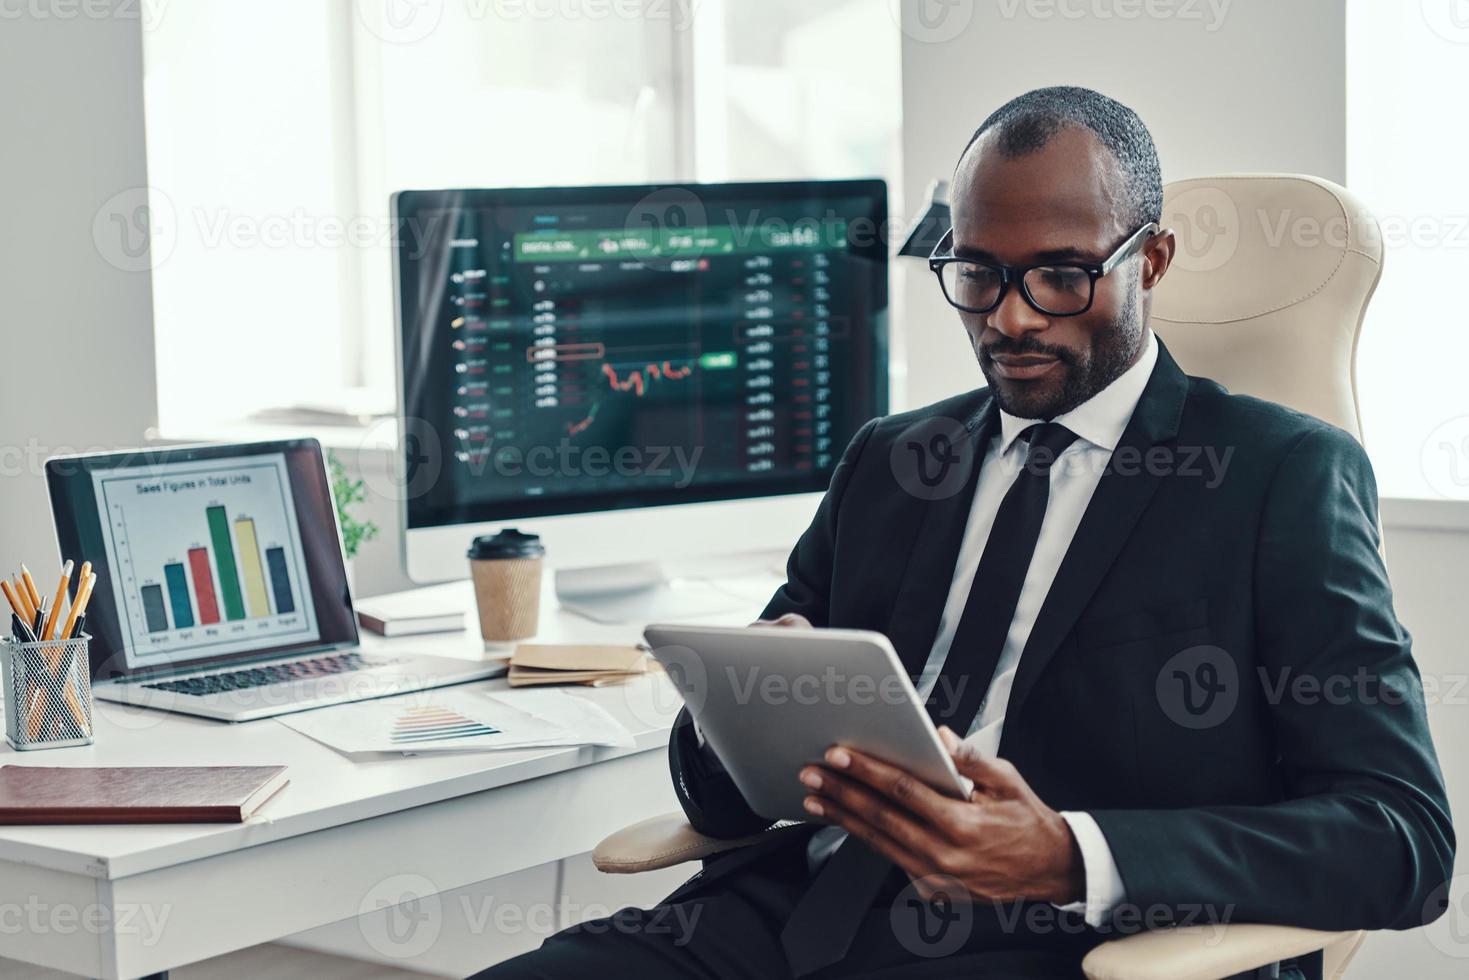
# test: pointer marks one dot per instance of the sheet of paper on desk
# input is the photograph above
(447, 720)
(586, 722)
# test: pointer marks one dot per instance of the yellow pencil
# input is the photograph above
(48, 631)
(30, 584)
(79, 605)
(12, 598)
(25, 602)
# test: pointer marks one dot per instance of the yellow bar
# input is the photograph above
(250, 563)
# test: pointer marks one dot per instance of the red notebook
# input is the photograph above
(209, 794)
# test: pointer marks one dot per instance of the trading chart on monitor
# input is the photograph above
(567, 353)
(206, 558)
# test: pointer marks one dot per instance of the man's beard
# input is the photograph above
(1113, 350)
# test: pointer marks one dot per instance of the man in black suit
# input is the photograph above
(1156, 612)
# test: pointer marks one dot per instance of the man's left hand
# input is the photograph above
(1002, 843)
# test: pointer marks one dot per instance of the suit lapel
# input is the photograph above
(1122, 494)
(934, 532)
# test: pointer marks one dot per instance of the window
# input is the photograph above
(1407, 64)
(277, 131)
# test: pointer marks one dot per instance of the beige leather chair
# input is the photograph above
(1266, 296)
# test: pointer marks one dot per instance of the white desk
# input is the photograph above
(120, 902)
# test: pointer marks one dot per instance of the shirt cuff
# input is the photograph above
(1104, 890)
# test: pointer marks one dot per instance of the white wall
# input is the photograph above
(1261, 87)
(76, 340)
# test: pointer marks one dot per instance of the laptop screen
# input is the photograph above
(204, 555)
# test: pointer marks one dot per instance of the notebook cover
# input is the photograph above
(600, 657)
(176, 794)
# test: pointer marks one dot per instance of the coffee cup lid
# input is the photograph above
(509, 543)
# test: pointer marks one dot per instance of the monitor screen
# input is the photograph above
(570, 350)
(204, 554)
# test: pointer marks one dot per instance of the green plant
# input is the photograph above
(348, 492)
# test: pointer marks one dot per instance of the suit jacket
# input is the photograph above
(1216, 674)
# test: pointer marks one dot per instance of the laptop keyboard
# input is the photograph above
(240, 680)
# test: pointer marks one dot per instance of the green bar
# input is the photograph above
(224, 563)
(717, 359)
(611, 244)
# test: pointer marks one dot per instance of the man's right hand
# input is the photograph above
(792, 620)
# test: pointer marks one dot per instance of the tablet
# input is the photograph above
(771, 699)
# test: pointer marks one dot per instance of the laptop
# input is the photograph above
(221, 590)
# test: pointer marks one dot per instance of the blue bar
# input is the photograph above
(178, 596)
(280, 580)
(153, 610)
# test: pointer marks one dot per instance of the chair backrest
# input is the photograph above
(1268, 287)
(1266, 296)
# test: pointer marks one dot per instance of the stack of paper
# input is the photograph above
(456, 719)
(590, 664)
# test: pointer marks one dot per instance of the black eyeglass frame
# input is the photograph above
(943, 255)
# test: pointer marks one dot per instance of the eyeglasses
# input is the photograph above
(1051, 288)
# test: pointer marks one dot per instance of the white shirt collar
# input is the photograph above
(1101, 418)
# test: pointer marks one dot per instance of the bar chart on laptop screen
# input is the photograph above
(206, 558)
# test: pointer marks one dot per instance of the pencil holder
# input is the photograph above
(48, 693)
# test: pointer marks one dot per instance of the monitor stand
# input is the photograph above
(645, 592)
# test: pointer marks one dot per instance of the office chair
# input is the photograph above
(1266, 296)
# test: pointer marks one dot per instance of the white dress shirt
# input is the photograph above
(1098, 423)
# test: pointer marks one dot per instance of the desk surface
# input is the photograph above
(329, 789)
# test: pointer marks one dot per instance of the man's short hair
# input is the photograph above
(1028, 122)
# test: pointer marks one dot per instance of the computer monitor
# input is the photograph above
(636, 373)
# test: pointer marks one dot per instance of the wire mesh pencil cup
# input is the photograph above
(48, 693)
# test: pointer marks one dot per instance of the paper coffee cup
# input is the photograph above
(506, 569)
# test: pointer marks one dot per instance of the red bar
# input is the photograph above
(203, 586)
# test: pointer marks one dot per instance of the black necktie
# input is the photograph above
(824, 922)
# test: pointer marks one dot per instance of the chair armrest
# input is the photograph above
(1205, 952)
(662, 842)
